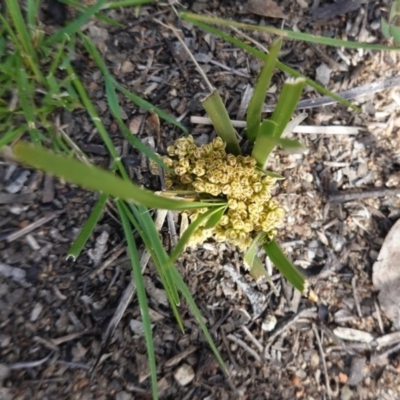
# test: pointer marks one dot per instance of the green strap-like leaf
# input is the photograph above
(141, 293)
(287, 102)
(208, 216)
(285, 267)
(94, 178)
(256, 104)
(261, 55)
(216, 110)
(87, 228)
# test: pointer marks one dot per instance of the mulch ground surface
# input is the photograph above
(54, 312)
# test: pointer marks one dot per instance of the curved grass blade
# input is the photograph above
(265, 143)
(75, 26)
(26, 95)
(279, 65)
(149, 107)
(197, 314)
(305, 37)
(287, 102)
(113, 102)
(23, 38)
(141, 293)
(216, 110)
(9, 136)
(254, 110)
(143, 217)
(87, 229)
(216, 212)
(94, 178)
(127, 3)
(285, 267)
(157, 252)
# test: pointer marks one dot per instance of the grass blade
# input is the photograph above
(145, 105)
(197, 314)
(285, 267)
(157, 252)
(265, 143)
(256, 104)
(127, 3)
(261, 55)
(305, 37)
(141, 293)
(87, 229)
(287, 102)
(192, 228)
(94, 178)
(216, 110)
(75, 26)
(25, 95)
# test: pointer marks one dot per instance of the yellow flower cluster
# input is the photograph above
(208, 169)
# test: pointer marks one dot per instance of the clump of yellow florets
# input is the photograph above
(208, 169)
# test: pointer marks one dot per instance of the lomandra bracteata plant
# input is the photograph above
(208, 170)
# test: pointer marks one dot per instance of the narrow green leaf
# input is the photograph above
(87, 229)
(143, 217)
(289, 144)
(285, 267)
(287, 102)
(265, 142)
(156, 250)
(215, 218)
(395, 33)
(254, 110)
(216, 212)
(141, 293)
(127, 3)
(385, 28)
(251, 253)
(76, 25)
(258, 271)
(21, 28)
(216, 110)
(280, 65)
(9, 136)
(94, 178)
(25, 95)
(32, 11)
(145, 105)
(197, 314)
(305, 37)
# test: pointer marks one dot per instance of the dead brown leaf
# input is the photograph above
(266, 8)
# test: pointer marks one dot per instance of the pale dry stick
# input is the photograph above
(379, 317)
(47, 343)
(305, 129)
(377, 359)
(365, 194)
(31, 227)
(244, 345)
(30, 364)
(355, 295)
(71, 336)
(306, 313)
(200, 70)
(245, 329)
(322, 354)
(226, 68)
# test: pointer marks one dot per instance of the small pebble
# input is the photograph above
(269, 323)
(184, 374)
